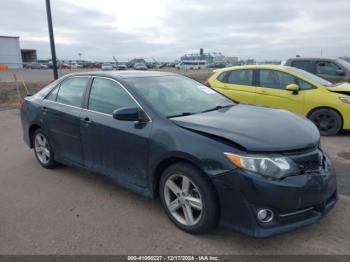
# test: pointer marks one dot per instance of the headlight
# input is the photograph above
(273, 167)
(345, 99)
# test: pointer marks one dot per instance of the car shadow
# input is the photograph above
(344, 133)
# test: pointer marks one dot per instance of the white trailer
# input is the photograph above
(10, 52)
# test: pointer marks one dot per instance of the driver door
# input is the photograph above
(272, 92)
(115, 148)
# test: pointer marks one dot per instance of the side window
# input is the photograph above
(305, 85)
(327, 68)
(241, 77)
(107, 96)
(222, 77)
(53, 95)
(304, 65)
(275, 79)
(71, 91)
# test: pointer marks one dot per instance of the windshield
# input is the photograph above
(312, 77)
(178, 96)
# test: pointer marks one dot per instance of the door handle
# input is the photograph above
(44, 109)
(262, 92)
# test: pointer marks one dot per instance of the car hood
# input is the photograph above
(343, 88)
(257, 129)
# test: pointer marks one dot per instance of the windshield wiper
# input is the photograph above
(208, 110)
(182, 114)
(217, 108)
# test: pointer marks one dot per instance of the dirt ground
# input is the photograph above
(9, 95)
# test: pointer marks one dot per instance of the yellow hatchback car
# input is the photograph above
(324, 103)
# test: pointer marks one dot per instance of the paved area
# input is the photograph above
(69, 211)
(35, 74)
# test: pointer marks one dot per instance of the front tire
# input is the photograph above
(43, 150)
(189, 198)
(327, 121)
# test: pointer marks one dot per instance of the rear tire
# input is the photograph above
(189, 199)
(328, 121)
(43, 150)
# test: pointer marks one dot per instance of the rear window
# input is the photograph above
(222, 77)
(305, 65)
(241, 77)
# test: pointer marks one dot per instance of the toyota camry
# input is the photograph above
(210, 160)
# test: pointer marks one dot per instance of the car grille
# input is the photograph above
(309, 162)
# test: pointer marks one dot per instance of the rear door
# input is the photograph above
(238, 85)
(272, 92)
(61, 117)
(115, 148)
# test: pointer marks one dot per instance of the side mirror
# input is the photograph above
(340, 72)
(130, 114)
(292, 87)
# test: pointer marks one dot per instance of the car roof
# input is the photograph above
(314, 58)
(124, 74)
(273, 67)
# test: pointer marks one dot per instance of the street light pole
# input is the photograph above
(52, 40)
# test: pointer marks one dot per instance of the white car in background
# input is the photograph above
(106, 67)
(192, 64)
(122, 67)
(76, 65)
(140, 66)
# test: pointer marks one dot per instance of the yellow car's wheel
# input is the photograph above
(327, 120)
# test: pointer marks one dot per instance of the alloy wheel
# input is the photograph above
(183, 199)
(42, 148)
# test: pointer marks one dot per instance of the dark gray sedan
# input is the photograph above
(211, 161)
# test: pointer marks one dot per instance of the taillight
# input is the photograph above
(21, 104)
(206, 82)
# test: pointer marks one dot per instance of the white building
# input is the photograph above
(232, 59)
(10, 52)
(217, 57)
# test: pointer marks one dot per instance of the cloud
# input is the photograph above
(166, 29)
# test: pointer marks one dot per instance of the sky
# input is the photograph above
(167, 29)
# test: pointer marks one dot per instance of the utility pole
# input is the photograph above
(80, 54)
(52, 40)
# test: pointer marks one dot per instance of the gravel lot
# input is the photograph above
(69, 211)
